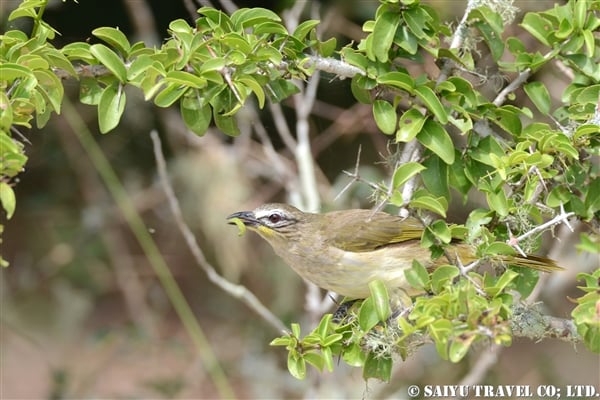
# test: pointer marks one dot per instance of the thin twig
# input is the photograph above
(458, 39)
(410, 152)
(511, 87)
(334, 66)
(354, 176)
(282, 126)
(562, 217)
(304, 159)
(237, 291)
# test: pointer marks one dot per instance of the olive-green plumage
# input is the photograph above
(343, 251)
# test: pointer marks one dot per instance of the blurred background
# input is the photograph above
(82, 314)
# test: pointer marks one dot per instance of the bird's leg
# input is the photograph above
(341, 312)
(400, 303)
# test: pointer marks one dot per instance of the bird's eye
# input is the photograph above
(275, 218)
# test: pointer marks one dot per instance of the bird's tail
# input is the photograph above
(534, 262)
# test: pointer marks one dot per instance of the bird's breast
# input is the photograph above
(349, 273)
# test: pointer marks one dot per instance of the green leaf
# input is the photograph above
(439, 330)
(354, 356)
(296, 365)
(51, 87)
(410, 124)
(360, 93)
(197, 118)
(282, 341)
(226, 124)
(485, 147)
(589, 40)
(314, 359)
(6, 119)
(180, 26)
(383, 36)
(404, 172)
(281, 89)
(355, 58)
(78, 51)
(110, 60)
(213, 64)
(592, 198)
(114, 37)
(458, 178)
(490, 25)
(416, 19)
(417, 275)
(328, 357)
(111, 107)
(558, 196)
(377, 367)
(270, 28)
(9, 72)
(539, 95)
(398, 80)
(438, 205)
(327, 47)
(441, 276)
(90, 91)
(332, 339)
(460, 346)
(503, 281)
(498, 248)
(304, 29)
(441, 230)
(406, 40)
(435, 176)
(381, 299)
(186, 79)
(367, 315)
(526, 281)
(248, 17)
(585, 316)
(432, 102)
(498, 202)
(580, 13)
(296, 330)
(385, 116)
(8, 199)
(237, 42)
(435, 138)
(538, 27)
(323, 326)
(250, 82)
(169, 95)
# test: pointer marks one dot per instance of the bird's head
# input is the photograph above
(274, 222)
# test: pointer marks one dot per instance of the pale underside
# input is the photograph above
(349, 273)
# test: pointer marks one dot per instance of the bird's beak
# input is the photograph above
(247, 217)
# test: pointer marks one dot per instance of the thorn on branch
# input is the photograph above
(562, 217)
(355, 176)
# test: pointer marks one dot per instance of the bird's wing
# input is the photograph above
(366, 231)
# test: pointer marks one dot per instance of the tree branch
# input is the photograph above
(237, 291)
(530, 322)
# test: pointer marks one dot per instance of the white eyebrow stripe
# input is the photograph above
(266, 213)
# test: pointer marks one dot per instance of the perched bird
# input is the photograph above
(343, 251)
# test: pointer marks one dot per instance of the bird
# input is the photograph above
(343, 251)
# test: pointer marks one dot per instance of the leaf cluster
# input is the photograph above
(458, 312)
